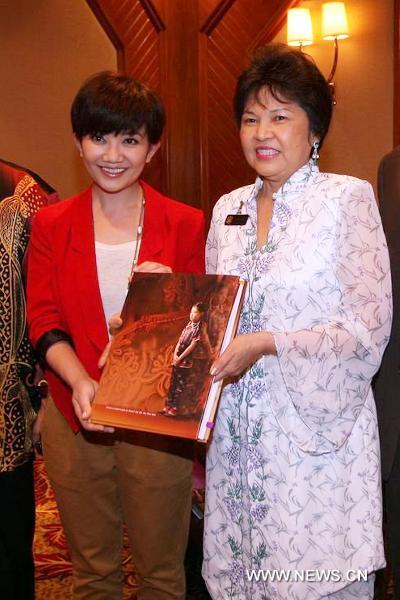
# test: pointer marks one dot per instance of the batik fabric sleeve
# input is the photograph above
(17, 361)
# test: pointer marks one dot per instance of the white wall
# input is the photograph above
(48, 47)
(362, 125)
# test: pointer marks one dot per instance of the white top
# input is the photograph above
(114, 263)
(293, 470)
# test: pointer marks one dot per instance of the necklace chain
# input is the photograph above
(139, 233)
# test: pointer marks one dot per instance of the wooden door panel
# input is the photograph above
(227, 53)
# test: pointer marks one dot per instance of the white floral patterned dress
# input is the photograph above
(293, 470)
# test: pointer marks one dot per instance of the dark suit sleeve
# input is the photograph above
(381, 169)
(387, 382)
(384, 208)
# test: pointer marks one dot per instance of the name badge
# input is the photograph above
(236, 219)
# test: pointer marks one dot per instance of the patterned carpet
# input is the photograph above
(53, 566)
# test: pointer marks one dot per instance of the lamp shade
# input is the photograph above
(299, 27)
(334, 21)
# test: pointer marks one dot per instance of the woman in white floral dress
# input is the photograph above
(293, 508)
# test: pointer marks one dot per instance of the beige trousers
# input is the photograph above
(103, 480)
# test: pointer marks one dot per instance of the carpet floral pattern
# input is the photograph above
(52, 561)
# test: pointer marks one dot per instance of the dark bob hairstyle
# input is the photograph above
(109, 102)
(289, 75)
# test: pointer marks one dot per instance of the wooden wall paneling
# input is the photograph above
(215, 16)
(110, 31)
(153, 14)
(242, 26)
(159, 5)
(225, 61)
(206, 7)
(204, 94)
(226, 162)
(181, 96)
(274, 23)
(396, 75)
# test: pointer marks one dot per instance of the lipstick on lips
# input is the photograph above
(112, 171)
(266, 152)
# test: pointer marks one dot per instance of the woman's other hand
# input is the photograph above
(83, 393)
(152, 267)
(114, 324)
(241, 353)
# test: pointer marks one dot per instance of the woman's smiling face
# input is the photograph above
(275, 136)
(116, 161)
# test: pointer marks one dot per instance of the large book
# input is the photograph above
(157, 375)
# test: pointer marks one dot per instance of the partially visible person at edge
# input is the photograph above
(22, 193)
(387, 383)
(82, 254)
(293, 473)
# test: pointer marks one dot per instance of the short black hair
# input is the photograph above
(289, 74)
(110, 102)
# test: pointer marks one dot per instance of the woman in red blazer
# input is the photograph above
(82, 253)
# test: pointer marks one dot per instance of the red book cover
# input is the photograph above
(157, 374)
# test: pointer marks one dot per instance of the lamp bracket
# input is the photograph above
(335, 62)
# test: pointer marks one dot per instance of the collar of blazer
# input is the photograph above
(154, 224)
(82, 242)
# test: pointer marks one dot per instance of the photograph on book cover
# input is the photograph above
(157, 374)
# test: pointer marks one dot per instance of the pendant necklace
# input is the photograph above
(139, 233)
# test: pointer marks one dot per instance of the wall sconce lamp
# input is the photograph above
(334, 27)
(299, 27)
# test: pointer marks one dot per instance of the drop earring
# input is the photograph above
(315, 153)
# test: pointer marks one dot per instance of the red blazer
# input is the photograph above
(63, 291)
